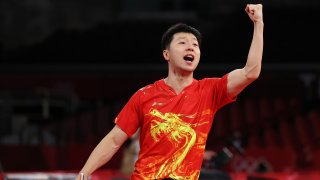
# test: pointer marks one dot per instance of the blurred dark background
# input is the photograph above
(67, 68)
(129, 31)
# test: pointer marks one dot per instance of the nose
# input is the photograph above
(190, 47)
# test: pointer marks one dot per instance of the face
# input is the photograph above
(183, 53)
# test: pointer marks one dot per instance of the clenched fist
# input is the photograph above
(255, 12)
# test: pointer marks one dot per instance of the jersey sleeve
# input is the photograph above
(219, 92)
(128, 120)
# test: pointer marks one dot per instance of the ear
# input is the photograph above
(165, 54)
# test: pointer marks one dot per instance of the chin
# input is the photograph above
(188, 70)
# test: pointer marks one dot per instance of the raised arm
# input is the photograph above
(104, 151)
(240, 78)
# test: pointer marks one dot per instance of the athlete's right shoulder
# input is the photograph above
(149, 87)
(146, 88)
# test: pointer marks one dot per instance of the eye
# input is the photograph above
(195, 44)
(181, 42)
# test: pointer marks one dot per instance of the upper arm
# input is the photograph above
(118, 136)
(105, 150)
(237, 81)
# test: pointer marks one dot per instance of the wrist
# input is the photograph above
(259, 23)
(83, 176)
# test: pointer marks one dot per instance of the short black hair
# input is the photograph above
(177, 28)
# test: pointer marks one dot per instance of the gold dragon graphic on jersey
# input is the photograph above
(176, 130)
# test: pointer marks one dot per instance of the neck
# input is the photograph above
(178, 82)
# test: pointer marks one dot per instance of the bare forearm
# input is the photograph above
(104, 151)
(241, 78)
(253, 65)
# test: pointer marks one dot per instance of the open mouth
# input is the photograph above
(188, 57)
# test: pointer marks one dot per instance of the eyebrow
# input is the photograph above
(194, 38)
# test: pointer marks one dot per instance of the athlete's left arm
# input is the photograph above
(241, 78)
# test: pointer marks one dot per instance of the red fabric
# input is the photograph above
(115, 174)
(174, 127)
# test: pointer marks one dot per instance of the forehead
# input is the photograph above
(184, 35)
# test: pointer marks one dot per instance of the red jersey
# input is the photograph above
(174, 127)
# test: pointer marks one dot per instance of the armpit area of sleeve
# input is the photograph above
(128, 120)
(125, 127)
